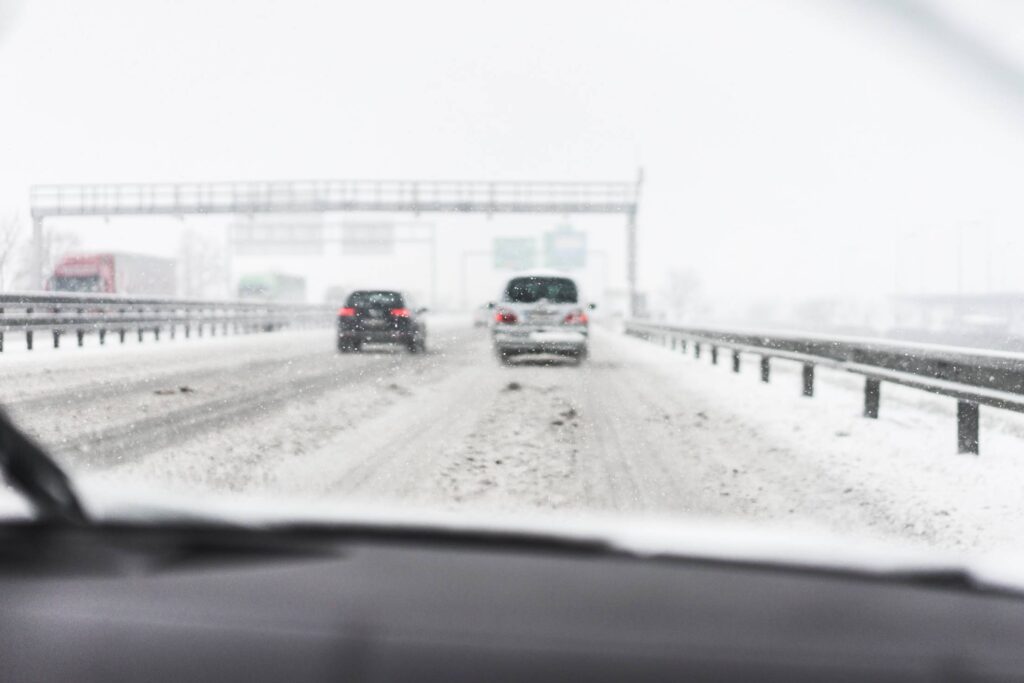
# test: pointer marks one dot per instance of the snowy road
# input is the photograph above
(637, 428)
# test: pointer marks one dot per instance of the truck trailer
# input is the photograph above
(115, 273)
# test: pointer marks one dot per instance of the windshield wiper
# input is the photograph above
(33, 473)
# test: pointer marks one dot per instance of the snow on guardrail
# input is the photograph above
(61, 313)
(974, 377)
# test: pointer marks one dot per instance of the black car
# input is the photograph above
(381, 317)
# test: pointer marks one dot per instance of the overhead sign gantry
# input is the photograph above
(308, 196)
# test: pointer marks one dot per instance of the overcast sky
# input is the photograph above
(790, 147)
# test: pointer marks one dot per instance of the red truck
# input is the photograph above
(115, 273)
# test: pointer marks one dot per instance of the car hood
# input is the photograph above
(693, 538)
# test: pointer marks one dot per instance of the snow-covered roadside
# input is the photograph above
(901, 470)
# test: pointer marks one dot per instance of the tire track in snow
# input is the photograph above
(243, 395)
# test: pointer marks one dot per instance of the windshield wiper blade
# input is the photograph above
(33, 473)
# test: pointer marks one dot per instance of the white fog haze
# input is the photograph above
(795, 150)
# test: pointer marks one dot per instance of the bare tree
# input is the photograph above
(55, 246)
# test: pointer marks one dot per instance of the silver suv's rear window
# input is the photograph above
(528, 290)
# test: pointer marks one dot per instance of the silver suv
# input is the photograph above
(540, 314)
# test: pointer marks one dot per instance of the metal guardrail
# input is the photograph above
(973, 377)
(62, 313)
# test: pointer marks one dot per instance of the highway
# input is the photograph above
(636, 429)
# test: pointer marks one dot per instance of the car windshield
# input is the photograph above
(76, 284)
(529, 290)
(649, 265)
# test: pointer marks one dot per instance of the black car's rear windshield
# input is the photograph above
(527, 290)
(375, 299)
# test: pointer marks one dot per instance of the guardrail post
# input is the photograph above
(714, 355)
(56, 339)
(735, 361)
(766, 368)
(28, 333)
(808, 379)
(81, 337)
(872, 397)
(140, 335)
(156, 334)
(682, 343)
(103, 337)
(696, 349)
(967, 419)
(170, 331)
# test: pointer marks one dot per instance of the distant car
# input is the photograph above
(381, 317)
(540, 314)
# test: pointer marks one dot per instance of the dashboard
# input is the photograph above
(175, 603)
